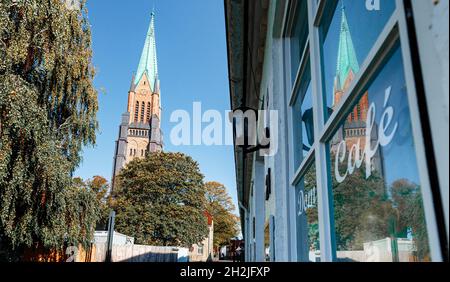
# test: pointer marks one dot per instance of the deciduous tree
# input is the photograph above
(221, 207)
(160, 200)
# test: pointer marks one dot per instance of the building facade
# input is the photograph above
(140, 130)
(204, 251)
(361, 92)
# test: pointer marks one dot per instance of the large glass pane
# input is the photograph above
(299, 35)
(308, 247)
(378, 209)
(348, 35)
(302, 113)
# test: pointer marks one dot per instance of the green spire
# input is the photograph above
(149, 62)
(347, 59)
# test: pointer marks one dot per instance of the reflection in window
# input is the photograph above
(136, 112)
(308, 246)
(148, 112)
(302, 114)
(299, 35)
(378, 210)
(349, 35)
(142, 112)
(267, 242)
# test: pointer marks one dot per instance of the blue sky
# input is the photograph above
(192, 62)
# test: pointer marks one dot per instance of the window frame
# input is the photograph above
(394, 34)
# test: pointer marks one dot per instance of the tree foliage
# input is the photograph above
(160, 200)
(368, 210)
(99, 187)
(48, 108)
(221, 207)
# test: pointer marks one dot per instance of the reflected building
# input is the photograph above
(354, 128)
(285, 52)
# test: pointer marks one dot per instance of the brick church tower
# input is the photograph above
(140, 132)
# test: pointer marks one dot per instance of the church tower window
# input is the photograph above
(142, 111)
(136, 112)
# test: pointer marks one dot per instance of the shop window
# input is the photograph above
(308, 246)
(377, 197)
(348, 36)
(136, 112)
(298, 35)
(302, 116)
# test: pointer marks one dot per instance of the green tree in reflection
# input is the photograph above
(365, 211)
(407, 199)
(360, 210)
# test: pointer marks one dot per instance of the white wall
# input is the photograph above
(432, 21)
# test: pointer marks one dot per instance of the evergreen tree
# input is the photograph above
(99, 187)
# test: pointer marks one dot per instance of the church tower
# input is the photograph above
(140, 132)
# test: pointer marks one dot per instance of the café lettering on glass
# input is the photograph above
(357, 156)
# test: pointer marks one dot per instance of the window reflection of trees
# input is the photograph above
(364, 211)
(312, 211)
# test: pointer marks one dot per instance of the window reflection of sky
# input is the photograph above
(399, 157)
(306, 105)
(365, 27)
(308, 245)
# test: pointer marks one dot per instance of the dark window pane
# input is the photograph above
(299, 35)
